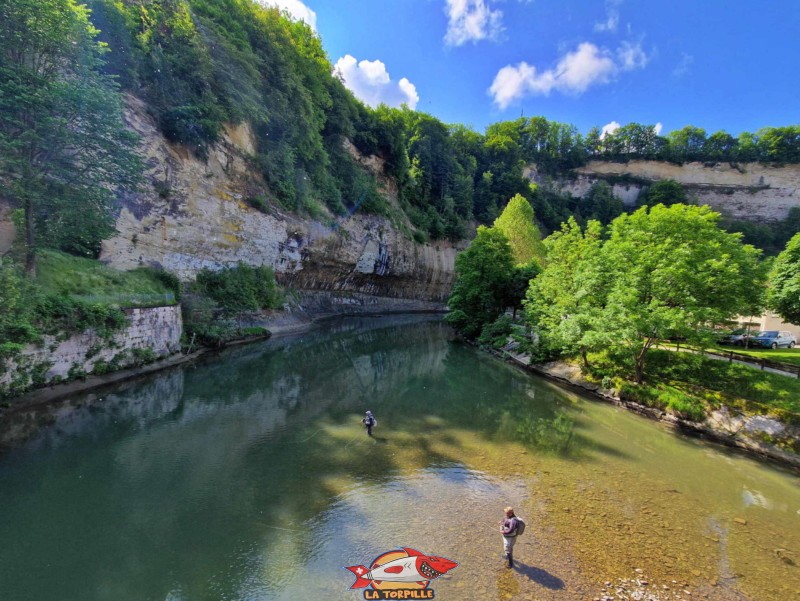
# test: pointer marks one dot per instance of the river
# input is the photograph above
(248, 476)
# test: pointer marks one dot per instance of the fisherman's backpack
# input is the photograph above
(520, 526)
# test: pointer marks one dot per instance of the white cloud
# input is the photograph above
(471, 21)
(370, 82)
(575, 72)
(296, 8)
(612, 17)
(609, 128)
(658, 127)
(631, 56)
(683, 67)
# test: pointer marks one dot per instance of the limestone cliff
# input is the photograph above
(748, 191)
(193, 214)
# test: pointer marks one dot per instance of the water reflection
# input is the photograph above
(248, 476)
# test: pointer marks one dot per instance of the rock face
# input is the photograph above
(749, 191)
(193, 214)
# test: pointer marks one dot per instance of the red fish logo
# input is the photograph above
(403, 574)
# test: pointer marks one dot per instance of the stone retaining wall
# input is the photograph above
(152, 333)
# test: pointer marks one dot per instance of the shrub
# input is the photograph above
(496, 334)
(241, 288)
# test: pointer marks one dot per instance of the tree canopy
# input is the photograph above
(663, 272)
(672, 271)
(565, 302)
(63, 146)
(784, 291)
(484, 274)
(518, 224)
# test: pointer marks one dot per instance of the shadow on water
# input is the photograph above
(539, 576)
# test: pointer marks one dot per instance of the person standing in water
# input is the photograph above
(508, 528)
(369, 422)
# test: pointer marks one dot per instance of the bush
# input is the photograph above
(241, 288)
(496, 334)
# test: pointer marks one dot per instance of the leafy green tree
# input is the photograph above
(747, 147)
(687, 144)
(784, 290)
(483, 277)
(666, 192)
(673, 270)
(601, 204)
(564, 303)
(720, 146)
(63, 146)
(779, 144)
(518, 224)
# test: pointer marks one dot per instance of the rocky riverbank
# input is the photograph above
(723, 425)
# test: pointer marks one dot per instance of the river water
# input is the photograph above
(248, 476)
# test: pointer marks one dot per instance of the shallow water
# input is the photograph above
(248, 477)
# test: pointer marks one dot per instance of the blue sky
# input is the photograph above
(715, 64)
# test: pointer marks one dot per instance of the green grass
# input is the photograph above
(691, 384)
(86, 279)
(783, 355)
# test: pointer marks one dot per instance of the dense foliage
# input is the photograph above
(663, 272)
(483, 279)
(201, 64)
(30, 311)
(494, 272)
(216, 301)
(518, 223)
(63, 146)
(784, 293)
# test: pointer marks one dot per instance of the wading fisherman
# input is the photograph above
(508, 528)
(369, 422)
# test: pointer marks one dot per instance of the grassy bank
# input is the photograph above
(690, 385)
(783, 355)
(91, 281)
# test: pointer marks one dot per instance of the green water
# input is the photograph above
(248, 477)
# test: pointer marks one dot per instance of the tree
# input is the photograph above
(63, 146)
(601, 204)
(518, 224)
(720, 146)
(784, 290)
(687, 144)
(673, 271)
(564, 302)
(666, 192)
(483, 278)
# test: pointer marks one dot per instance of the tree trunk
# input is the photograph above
(585, 359)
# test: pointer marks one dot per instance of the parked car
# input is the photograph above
(735, 338)
(773, 339)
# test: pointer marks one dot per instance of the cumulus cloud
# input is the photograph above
(471, 21)
(575, 72)
(612, 17)
(370, 82)
(297, 9)
(609, 128)
(658, 127)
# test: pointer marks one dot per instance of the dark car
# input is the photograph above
(735, 338)
(773, 339)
